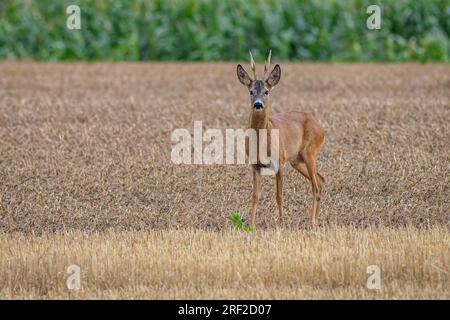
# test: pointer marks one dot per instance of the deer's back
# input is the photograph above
(297, 129)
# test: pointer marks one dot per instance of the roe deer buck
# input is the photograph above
(300, 138)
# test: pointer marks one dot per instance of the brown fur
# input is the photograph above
(300, 139)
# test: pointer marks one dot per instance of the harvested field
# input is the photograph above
(87, 146)
(85, 164)
(329, 263)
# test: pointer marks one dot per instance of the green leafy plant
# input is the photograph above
(214, 30)
(239, 222)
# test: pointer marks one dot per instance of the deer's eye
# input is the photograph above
(266, 92)
(251, 92)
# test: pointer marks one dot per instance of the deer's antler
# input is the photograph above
(252, 65)
(267, 64)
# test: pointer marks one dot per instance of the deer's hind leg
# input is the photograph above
(300, 166)
(309, 157)
(279, 187)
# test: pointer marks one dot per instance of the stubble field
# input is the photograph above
(86, 179)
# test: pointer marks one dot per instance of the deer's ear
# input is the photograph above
(243, 76)
(274, 76)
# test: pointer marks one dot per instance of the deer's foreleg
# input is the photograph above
(256, 193)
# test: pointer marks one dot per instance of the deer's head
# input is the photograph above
(259, 88)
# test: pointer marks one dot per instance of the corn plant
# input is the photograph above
(212, 30)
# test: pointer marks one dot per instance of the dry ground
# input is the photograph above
(327, 263)
(85, 162)
(87, 146)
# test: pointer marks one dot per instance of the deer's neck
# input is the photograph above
(259, 120)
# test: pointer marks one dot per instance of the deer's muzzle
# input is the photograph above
(258, 105)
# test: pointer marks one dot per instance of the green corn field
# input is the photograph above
(213, 30)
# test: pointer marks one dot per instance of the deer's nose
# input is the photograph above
(257, 105)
